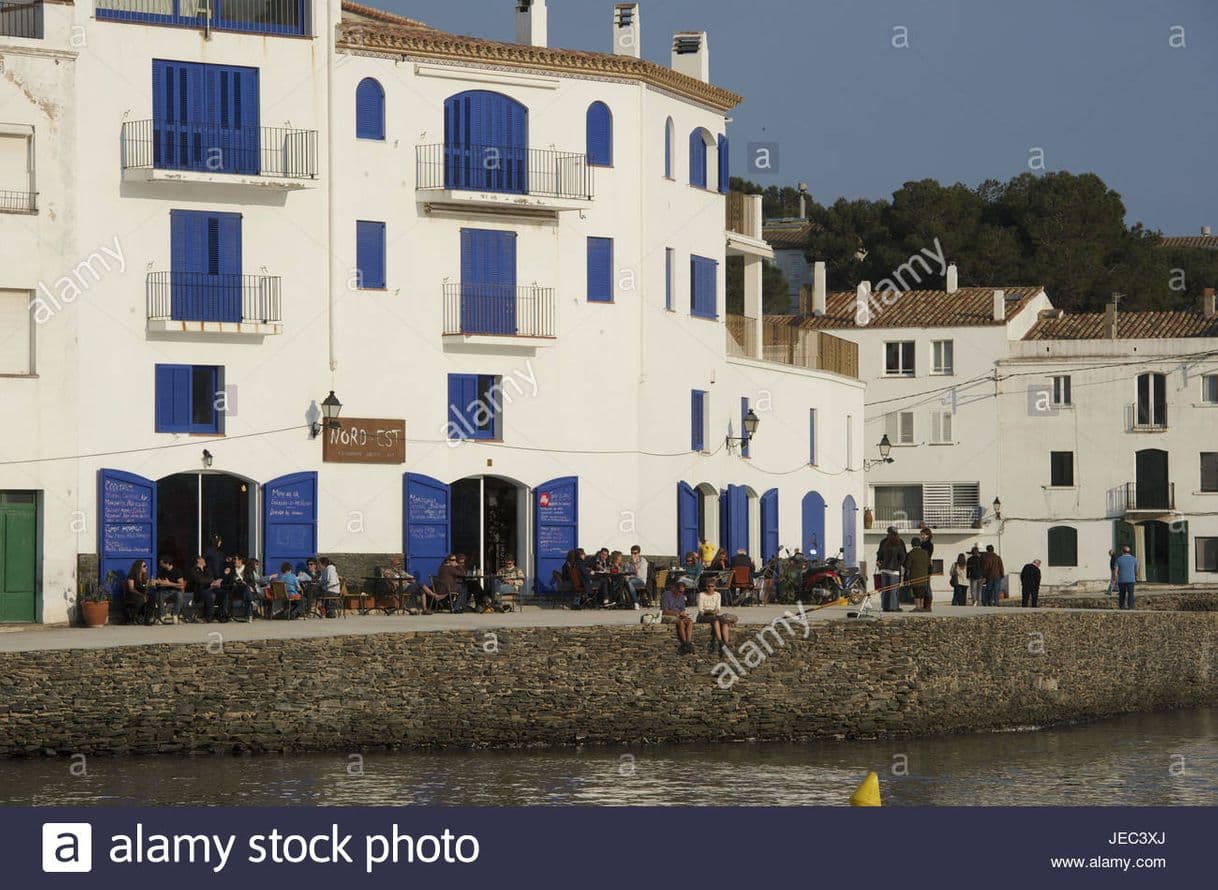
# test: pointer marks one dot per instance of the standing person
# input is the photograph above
(706, 551)
(1126, 575)
(917, 567)
(214, 554)
(1112, 572)
(890, 561)
(672, 608)
(972, 573)
(992, 571)
(927, 540)
(958, 577)
(329, 583)
(1029, 584)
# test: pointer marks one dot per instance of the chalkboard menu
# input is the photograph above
(289, 503)
(355, 440)
(127, 516)
(556, 504)
(427, 505)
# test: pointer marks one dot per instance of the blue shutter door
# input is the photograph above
(738, 512)
(426, 525)
(725, 516)
(599, 135)
(744, 412)
(725, 176)
(488, 282)
(813, 510)
(178, 115)
(486, 140)
(600, 270)
(769, 525)
(289, 520)
(687, 520)
(703, 283)
(162, 146)
(126, 523)
(173, 394)
(556, 528)
(460, 386)
(697, 159)
(369, 110)
(697, 420)
(849, 521)
(247, 116)
(227, 306)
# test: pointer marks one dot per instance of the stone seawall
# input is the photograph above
(603, 685)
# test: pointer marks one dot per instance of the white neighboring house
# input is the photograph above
(789, 238)
(1107, 439)
(514, 252)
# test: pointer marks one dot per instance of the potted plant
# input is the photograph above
(95, 601)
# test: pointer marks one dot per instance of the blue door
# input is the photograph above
(126, 524)
(724, 518)
(205, 253)
(205, 117)
(426, 525)
(769, 525)
(849, 524)
(556, 528)
(289, 521)
(734, 526)
(486, 143)
(687, 520)
(813, 540)
(488, 282)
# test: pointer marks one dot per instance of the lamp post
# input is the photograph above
(207, 459)
(331, 407)
(751, 422)
(885, 457)
(997, 505)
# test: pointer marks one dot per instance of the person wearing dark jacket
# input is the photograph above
(889, 562)
(992, 571)
(203, 587)
(928, 542)
(972, 573)
(917, 569)
(1029, 583)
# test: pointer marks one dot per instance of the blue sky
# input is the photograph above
(1095, 84)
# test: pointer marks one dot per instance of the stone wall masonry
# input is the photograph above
(605, 685)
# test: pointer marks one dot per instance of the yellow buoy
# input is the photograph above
(868, 794)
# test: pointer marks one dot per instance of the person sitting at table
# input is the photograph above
(710, 611)
(135, 594)
(235, 585)
(720, 563)
(291, 585)
(596, 580)
(740, 561)
(170, 587)
(450, 578)
(637, 571)
(620, 592)
(672, 610)
(509, 581)
(471, 588)
(691, 571)
(202, 586)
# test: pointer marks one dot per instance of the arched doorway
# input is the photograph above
(849, 531)
(486, 142)
(489, 514)
(193, 507)
(812, 539)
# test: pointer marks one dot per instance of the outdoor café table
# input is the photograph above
(391, 601)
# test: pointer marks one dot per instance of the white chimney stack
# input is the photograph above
(953, 279)
(1000, 305)
(1209, 305)
(1205, 230)
(820, 288)
(691, 54)
(531, 23)
(627, 37)
(862, 304)
(1110, 321)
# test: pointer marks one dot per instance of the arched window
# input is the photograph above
(725, 176)
(369, 110)
(486, 143)
(600, 135)
(1063, 546)
(670, 137)
(698, 141)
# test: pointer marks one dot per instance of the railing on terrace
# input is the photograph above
(1132, 497)
(741, 336)
(287, 17)
(816, 350)
(744, 214)
(912, 518)
(499, 310)
(197, 296)
(18, 202)
(21, 18)
(488, 168)
(253, 151)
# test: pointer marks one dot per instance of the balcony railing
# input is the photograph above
(789, 345)
(744, 214)
(913, 517)
(205, 148)
(288, 17)
(519, 171)
(1132, 498)
(499, 310)
(1144, 418)
(197, 296)
(21, 18)
(18, 202)
(741, 336)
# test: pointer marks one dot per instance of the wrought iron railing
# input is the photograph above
(488, 168)
(18, 202)
(21, 18)
(197, 296)
(1145, 417)
(288, 17)
(1133, 497)
(253, 151)
(499, 310)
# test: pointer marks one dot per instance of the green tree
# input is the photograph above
(775, 291)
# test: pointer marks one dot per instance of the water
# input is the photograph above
(1128, 761)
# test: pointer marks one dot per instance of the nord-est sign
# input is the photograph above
(357, 440)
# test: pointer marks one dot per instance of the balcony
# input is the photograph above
(283, 17)
(153, 151)
(786, 344)
(500, 315)
(503, 179)
(1142, 501)
(195, 302)
(18, 202)
(913, 516)
(741, 336)
(21, 18)
(1144, 418)
(744, 226)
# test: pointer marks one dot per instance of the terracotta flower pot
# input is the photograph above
(96, 614)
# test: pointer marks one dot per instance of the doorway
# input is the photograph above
(192, 507)
(1153, 489)
(18, 556)
(486, 520)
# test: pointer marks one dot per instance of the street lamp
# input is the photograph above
(331, 407)
(997, 508)
(885, 457)
(751, 422)
(207, 459)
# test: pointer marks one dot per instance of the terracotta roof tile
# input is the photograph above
(1209, 242)
(360, 12)
(967, 307)
(789, 236)
(1150, 325)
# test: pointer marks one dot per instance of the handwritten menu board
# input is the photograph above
(126, 517)
(556, 505)
(357, 440)
(427, 506)
(291, 503)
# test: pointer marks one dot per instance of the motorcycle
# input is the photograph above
(829, 580)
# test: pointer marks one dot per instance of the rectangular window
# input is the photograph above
(600, 270)
(744, 432)
(1151, 408)
(1207, 554)
(697, 420)
(950, 504)
(1061, 469)
(1061, 390)
(899, 505)
(1209, 470)
(703, 287)
(1209, 389)
(475, 406)
(941, 428)
(899, 359)
(187, 399)
(670, 271)
(943, 357)
(849, 441)
(17, 192)
(204, 118)
(16, 333)
(205, 259)
(899, 427)
(370, 254)
(812, 436)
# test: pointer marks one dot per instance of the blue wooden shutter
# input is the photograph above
(246, 115)
(289, 514)
(555, 527)
(725, 515)
(812, 436)
(480, 126)
(697, 420)
(849, 521)
(668, 272)
(697, 159)
(126, 523)
(369, 110)
(488, 282)
(173, 398)
(703, 284)
(370, 253)
(599, 135)
(161, 143)
(462, 407)
(687, 520)
(813, 542)
(227, 290)
(744, 433)
(668, 148)
(769, 525)
(600, 270)
(426, 525)
(738, 519)
(725, 176)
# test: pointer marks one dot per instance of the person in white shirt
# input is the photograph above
(636, 574)
(329, 582)
(710, 611)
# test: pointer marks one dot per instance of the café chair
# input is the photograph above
(443, 593)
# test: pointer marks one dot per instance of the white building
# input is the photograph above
(505, 256)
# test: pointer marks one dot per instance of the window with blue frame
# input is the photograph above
(725, 175)
(206, 283)
(670, 271)
(205, 117)
(744, 431)
(600, 270)
(697, 420)
(812, 436)
(600, 135)
(475, 406)
(286, 17)
(697, 158)
(486, 143)
(187, 399)
(370, 254)
(703, 287)
(369, 110)
(669, 139)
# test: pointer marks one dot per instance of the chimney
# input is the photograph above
(1000, 305)
(627, 40)
(862, 304)
(1110, 321)
(953, 279)
(1205, 230)
(820, 294)
(1209, 307)
(691, 55)
(531, 22)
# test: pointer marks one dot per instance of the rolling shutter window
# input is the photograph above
(670, 265)
(668, 140)
(725, 176)
(600, 270)
(812, 436)
(899, 426)
(370, 254)
(369, 110)
(941, 427)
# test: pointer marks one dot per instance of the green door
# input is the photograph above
(1177, 550)
(1156, 559)
(1123, 536)
(18, 556)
